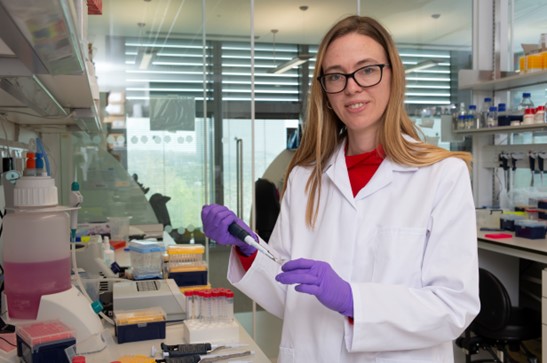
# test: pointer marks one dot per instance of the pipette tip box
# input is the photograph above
(530, 229)
(140, 324)
(44, 342)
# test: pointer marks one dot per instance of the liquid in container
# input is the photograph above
(36, 246)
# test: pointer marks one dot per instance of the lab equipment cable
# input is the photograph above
(237, 231)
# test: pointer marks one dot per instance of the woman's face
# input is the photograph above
(360, 109)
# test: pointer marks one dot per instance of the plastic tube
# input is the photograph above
(40, 148)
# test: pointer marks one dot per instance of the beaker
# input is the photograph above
(119, 231)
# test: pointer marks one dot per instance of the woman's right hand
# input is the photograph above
(216, 219)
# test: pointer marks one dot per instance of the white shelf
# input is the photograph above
(471, 80)
(503, 129)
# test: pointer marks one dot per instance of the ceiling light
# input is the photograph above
(422, 65)
(144, 58)
(295, 62)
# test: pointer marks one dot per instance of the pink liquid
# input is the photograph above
(25, 283)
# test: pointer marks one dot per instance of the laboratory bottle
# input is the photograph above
(529, 116)
(492, 117)
(525, 102)
(473, 117)
(469, 121)
(460, 125)
(459, 117)
(486, 104)
(503, 116)
(36, 247)
(540, 115)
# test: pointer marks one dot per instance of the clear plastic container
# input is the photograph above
(36, 246)
(146, 259)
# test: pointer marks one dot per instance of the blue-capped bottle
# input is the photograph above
(485, 108)
(473, 118)
(503, 116)
(492, 117)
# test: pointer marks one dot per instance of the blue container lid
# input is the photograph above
(529, 223)
(145, 247)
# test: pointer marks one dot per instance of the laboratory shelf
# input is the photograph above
(503, 129)
(470, 80)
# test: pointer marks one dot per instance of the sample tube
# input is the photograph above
(205, 306)
(190, 301)
(229, 298)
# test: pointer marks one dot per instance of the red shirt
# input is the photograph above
(362, 167)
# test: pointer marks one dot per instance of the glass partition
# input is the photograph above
(198, 106)
(157, 80)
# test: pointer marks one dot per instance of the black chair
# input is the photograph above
(158, 202)
(499, 327)
(267, 207)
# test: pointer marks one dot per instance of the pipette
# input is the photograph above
(237, 231)
(76, 200)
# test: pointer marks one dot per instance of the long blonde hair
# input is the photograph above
(324, 131)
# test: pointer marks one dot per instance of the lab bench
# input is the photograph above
(503, 254)
(174, 335)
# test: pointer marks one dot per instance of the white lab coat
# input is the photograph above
(407, 245)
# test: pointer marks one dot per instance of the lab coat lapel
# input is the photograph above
(337, 172)
(383, 177)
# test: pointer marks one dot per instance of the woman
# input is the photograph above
(377, 228)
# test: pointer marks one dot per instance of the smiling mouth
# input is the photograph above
(356, 105)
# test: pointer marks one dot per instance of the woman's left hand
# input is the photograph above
(319, 279)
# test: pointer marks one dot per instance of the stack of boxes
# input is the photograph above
(185, 265)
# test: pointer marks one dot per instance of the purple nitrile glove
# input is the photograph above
(319, 279)
(216, 219)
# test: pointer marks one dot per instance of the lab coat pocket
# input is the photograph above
(286, 355)
(398, 255)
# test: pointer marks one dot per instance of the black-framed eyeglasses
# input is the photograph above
(366, 76)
